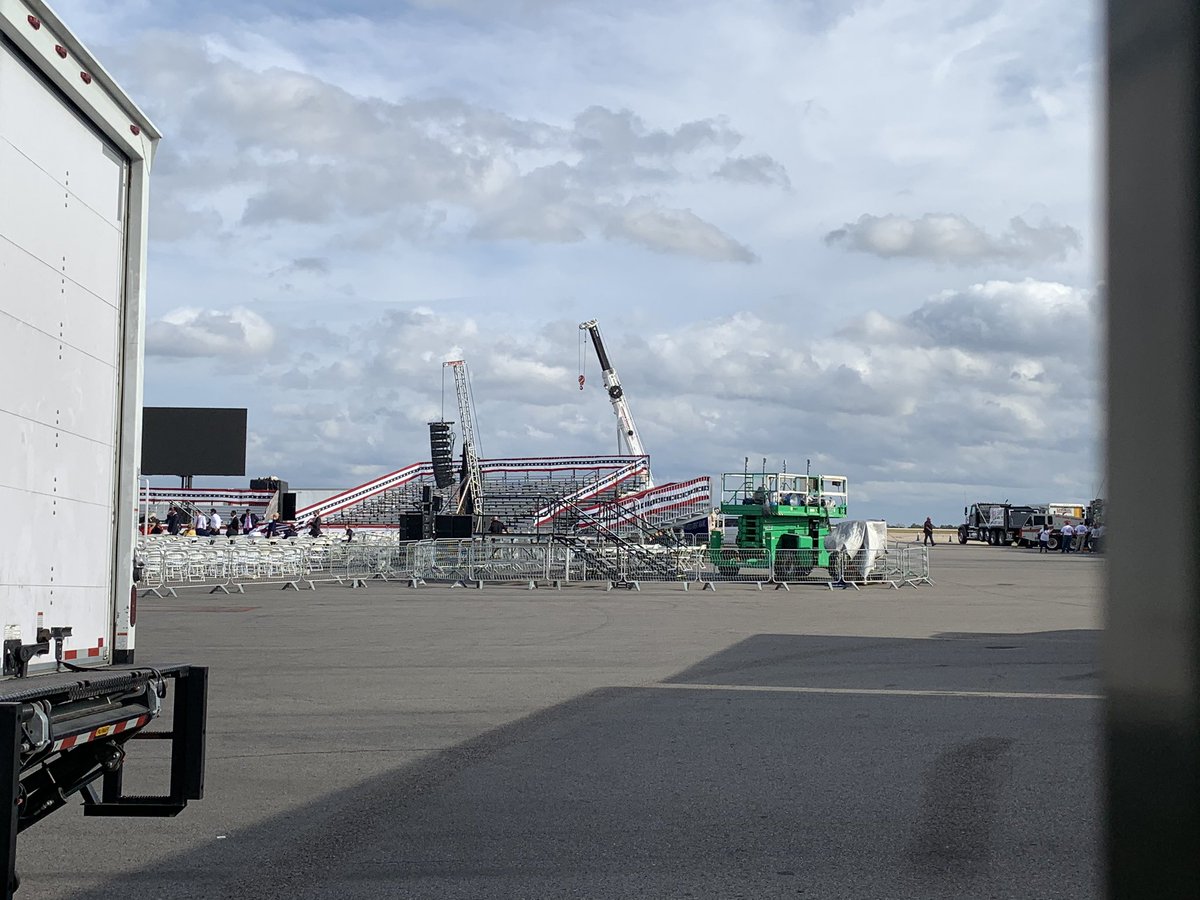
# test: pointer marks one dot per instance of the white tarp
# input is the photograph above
(861, 539)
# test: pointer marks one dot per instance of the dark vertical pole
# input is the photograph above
(1152, 635)
(10, 783)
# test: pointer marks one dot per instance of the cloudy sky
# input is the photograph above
(861, 232)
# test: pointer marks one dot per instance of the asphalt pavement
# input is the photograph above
(451, 743)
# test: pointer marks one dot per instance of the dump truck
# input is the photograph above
(998, 524)
(75, 159)
(782, 521)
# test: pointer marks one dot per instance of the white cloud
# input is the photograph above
(302, 151)
(189, 332)
(677, 231)
(758, 169)
(173, 220)
(945, 237)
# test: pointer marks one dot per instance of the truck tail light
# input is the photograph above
(132, 606)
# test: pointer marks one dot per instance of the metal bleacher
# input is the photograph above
(529, 494)
(515, 489)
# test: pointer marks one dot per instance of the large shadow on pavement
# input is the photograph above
(712, 787)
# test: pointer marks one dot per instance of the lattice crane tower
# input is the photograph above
(466, 418)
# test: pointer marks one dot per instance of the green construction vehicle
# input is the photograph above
(782, 521)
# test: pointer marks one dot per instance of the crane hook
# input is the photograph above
(581, 381)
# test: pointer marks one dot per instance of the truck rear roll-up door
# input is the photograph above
(62, 289)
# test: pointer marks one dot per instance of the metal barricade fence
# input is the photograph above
(445, 560)
(170, 564)
(912, 567)
(760, 566)
(658, 563)
(512, 561)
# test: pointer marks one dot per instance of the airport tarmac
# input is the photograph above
(455, 743)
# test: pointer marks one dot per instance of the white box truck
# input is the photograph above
(75, 158)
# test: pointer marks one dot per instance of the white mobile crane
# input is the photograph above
(627, 428)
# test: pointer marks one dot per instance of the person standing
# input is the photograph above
(173, 520)
(1066, 538)
(314, 527)
(1081, 536)
(273, 525)
(1044, 539)
(200, 524)
(927, 530)
(214, 523)
(249, 521)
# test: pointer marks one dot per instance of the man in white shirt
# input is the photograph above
(1081, 536)
(200, 524)
(1044, 539)
(1066, 538)
(214, 522)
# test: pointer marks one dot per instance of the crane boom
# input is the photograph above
(616, 394)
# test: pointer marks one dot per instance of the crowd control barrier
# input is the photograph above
(171, 564)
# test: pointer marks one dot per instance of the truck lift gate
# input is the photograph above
(46, 759)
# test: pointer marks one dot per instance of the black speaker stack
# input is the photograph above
(452, 526)
(441, 450)
(428, 523)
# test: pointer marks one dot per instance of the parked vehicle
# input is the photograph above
(75, 157)
(1055, 515)
(994, 523)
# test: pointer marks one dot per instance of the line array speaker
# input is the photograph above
(441, 450)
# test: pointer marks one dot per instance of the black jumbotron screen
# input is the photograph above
(179, 440)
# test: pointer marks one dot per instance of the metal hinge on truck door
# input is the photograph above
(17, 655)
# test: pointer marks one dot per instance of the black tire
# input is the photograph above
(962, 534)
(1052, 544)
